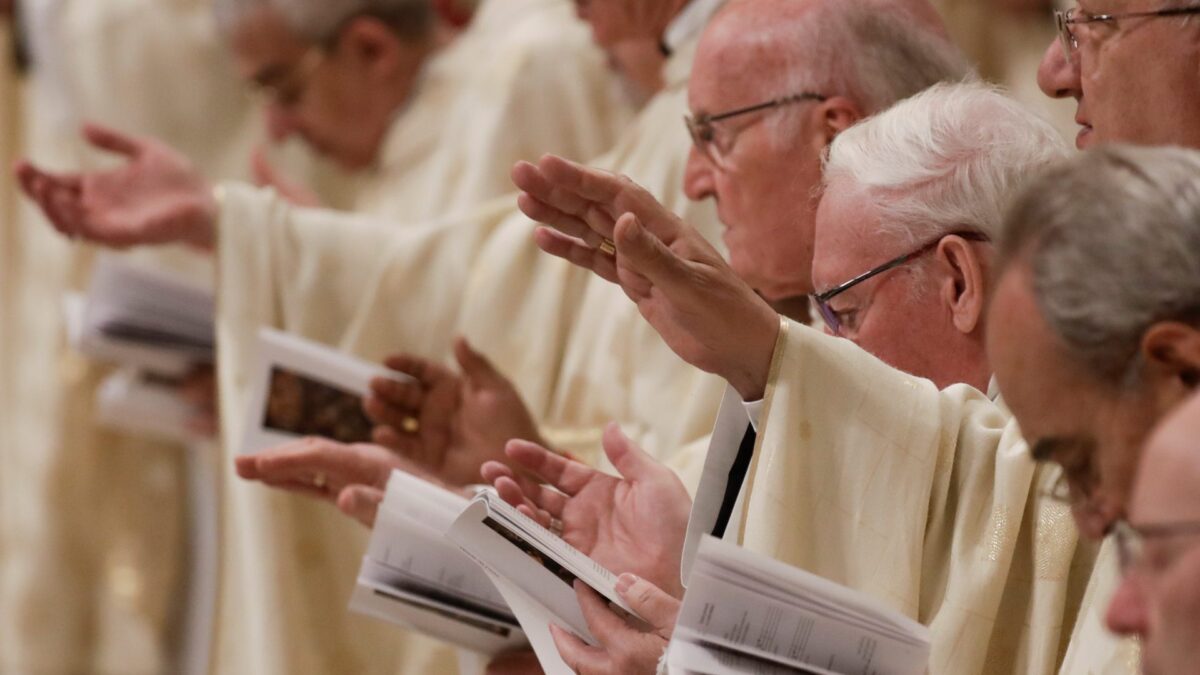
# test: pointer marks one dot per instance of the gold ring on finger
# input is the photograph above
(608, 247)
(410, 425)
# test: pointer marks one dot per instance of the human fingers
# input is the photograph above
(360, 502)
(577, 654)
(627, 458)
(524, 662)
(557, 196)
(568, 248)
(477, 369)
(107, 138)
(567, 475)
(657, 607)
(619, 194)
(645, 254)
(518, 497)
(424, 371)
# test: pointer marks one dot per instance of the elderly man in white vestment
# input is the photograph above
(911, 198)
(1159, 596)
(757, 197)
(426, 114)
(437, 126)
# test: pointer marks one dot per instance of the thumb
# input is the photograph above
(645, 254)
(360, 502)
(631, 461)
(107, 138)
(650, 602)
(476, 368)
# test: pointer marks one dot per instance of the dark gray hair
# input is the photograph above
(1112, 237)
(319, 20)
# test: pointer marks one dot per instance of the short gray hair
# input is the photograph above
(872, 51)
(319, 20)
(950, 158)
(1112, 238)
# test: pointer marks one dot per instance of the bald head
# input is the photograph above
(827, 64)
(1168, 480)
(876, 52)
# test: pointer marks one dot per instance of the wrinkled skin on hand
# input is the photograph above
(352, 476)
(624, 648)
(634, 523)
(155, 197)
(681, 285)
(462, 419)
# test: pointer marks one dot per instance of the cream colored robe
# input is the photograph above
(926, 499)
(573, 344)
(521, 80)
(94, 579)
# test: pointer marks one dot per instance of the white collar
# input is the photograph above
(690, 21)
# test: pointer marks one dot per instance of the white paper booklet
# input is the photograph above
(138, 316)
(747, 614)
(533, 560)
(412, 576)
(302, 388)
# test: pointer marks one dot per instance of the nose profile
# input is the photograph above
(1127, 613)
(697, 177)
(1057, 76)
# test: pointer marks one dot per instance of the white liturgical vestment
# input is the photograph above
(573, 345)
(926, 499)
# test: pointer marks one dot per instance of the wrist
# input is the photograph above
(750, 381)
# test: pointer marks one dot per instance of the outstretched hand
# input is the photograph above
(449, 423)
(680, 283)
(155, 197)
(635, 523)
(352, 476)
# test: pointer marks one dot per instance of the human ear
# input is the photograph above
(836, 115)
(1171, 350)
(370, 42)
(963, 290)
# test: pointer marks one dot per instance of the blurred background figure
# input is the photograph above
(95, 529)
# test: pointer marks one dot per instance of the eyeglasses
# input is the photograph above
(1063, 21)
(704, 134)
(1131, 539)
(834, 322)
(287, 89)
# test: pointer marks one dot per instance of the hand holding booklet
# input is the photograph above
(744, 614)
(412, 576)
(303, 388)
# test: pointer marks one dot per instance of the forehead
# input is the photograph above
(843, 246)
(1042, 385)
(733, 68)
(262, 37)
(1165, 490)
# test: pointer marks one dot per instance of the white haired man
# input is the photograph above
(903, 515)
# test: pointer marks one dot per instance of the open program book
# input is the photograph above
(747, 614)
(412, 576)
(303, 388)
(535, 570)
(134, 315)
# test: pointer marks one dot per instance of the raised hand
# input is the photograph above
(155, 197)
(635, 523)
(681, 285)
(449, 423)
(623, 649)
(266, 175)
(352, 476)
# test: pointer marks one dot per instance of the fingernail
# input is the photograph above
(625, 582)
